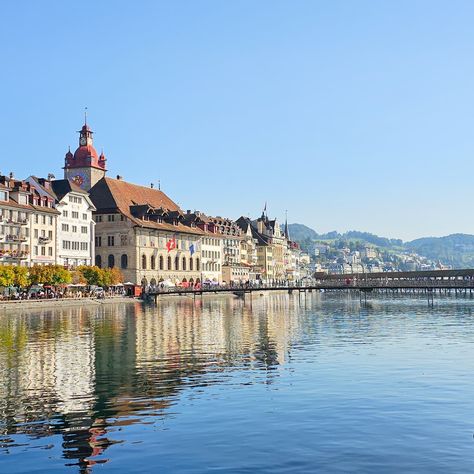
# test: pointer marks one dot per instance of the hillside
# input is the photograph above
(456, 250)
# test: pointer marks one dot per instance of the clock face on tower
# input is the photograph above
(82, 141)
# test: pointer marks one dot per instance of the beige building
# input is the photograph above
(141, 231)
(29, 221)
(14, 223)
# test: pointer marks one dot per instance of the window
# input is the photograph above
(197, 264)
(3, 195)
(36, 233)
(169, 264)
(153, 262)
(111, 261)
(176, 263)
(191, 264)
(65, 213)
(184, 264)
(50, 234)
(44, 220)
(84, 246)
(98, 218)
(98, 241)
(124, 261)
(43, 251)
(144, 262)
(35, 252)
(84, 217)
(111, 218)
(50, 220)
(50, 251)
(110, 240)
(75, 215)
(98, 261)
(161, 262)
(65, 227)
(84, 229)
(74, 229)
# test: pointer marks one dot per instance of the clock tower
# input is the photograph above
(85, 167)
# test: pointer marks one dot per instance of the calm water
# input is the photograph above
(322, 385)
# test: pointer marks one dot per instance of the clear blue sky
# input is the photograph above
(350, 114)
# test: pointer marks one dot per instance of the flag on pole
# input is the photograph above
(171, 244)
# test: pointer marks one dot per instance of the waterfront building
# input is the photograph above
(14, 222)
(31, 230)
(43, 228)
(75, 228)
(211, 246)
(271, 232)
(248, 248)
(143, 232)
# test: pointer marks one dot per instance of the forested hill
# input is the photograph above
(455, 249)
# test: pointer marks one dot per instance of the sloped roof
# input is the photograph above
(116, 195)
(61, 187)
(109, 193)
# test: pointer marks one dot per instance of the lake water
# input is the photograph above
(285, 384)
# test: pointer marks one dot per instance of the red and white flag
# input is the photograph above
(171, 244)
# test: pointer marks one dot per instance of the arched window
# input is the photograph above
(98, 261)
(176, 263)
(111, 261)
(169, 264)
(191, 264)
(144, 262)
(162, 263)
(197, 264)
(153, 262)
(184, 264)
(124, 261)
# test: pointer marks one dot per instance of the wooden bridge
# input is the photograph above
(422, 281)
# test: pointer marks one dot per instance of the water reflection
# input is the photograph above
(81, 372)
(75, 379)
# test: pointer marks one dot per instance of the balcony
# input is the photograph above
(17, 221)
(14, 254)
(14, 238)
(44, 240)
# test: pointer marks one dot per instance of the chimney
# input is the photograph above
(188, 211)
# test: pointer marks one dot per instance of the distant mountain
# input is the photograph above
(455, 249)
(299, 232)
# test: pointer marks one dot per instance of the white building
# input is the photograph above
(75, 228)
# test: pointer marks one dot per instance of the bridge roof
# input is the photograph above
(419, 274)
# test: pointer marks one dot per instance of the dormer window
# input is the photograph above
(3, 195)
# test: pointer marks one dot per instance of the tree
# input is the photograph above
(92, 275)
(21, 276)
(7, 275)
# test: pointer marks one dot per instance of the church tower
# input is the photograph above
(85, 167)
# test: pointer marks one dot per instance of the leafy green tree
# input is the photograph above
(92, 275)
(7, 275)
(20, 276)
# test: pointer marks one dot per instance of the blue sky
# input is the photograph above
(350, 114)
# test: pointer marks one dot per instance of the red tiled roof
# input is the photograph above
(115, 194)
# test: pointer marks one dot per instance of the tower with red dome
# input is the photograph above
(85, 167)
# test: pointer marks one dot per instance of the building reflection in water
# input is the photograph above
(82, 372)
